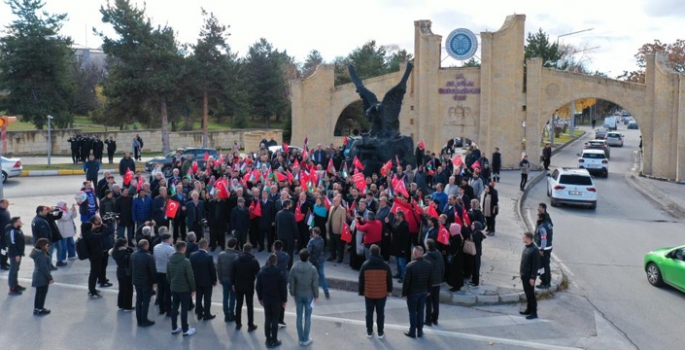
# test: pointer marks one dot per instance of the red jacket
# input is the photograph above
(372, 231)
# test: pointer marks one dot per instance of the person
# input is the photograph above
(195, 213)
(182, 283)
(52, 217)
(547, 155)
(400, 243)
(159, 208)
(74, 143)
(142, 208)
(490, 208)
(124, 206)
(14, 241)
(317, 256)
(218, 222)
(40, 228)
(224, 270)
(525, 169)
(375, 284)
(162, 252)
(92, 234)
(144, 278)
(121, 254)
(416, 287)
(272, 294)
(179, 221)
(543, 239)
(594, 123)
(42, 277)
(91, 168)
(191, 247)
(283, 263)
(496, 164)
(111, 148)
(243, 277)
(455, 260)
(135, 148)
(286, 228)
(240, 222)
(126, 164)
(477, 236)
(266, 221)
(530, 261)
(67, 229)
(205, 280)
(542, 208)
(304, 288)
(433, 300)
(89, 207)
(4, 221)
(334, 226)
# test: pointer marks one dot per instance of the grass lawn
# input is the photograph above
(562, 139)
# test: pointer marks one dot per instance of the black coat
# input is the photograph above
(245, 271)
(272, 285)
(143, 271)
(123, 259)
(496, 161)
(159, 209)
(286, 226)
(400, 238)
(124, 207)
(218, 218)
(4, 221)
(126, 164)
(530, 261)
(268, 214)
(240, 219)
(15, 245)
(40, 228)
(418, 278)
(203, 269)
(95, 241)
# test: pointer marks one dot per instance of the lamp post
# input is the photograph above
(572, 33)
(49, 141)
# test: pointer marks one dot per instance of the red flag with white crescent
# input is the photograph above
(171, 209)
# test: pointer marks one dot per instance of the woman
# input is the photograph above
(122, 255)
(455, 278)
(490, 209)
(41, 275)
(477, 236)
(135, 148)
(67, 228)
(476, 214)
(321, 216)
(195, 213)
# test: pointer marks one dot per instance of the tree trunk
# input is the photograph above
(205, 117)
(165, 127)
(268, 122)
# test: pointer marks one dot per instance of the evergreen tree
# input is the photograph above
(538, 45)
(266, 73)
(312, 61)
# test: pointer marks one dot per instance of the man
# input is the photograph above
(41, 228)
(547, 155)
(92, 232)
(266, 221)
(182, 283)
(103, 184)
(542, 208)
(4, 221)
(334, 226)
(124, 206)
(524, 164)
(205, 280)
(111, 148)
(74, 143)
(91, 168)
(144, 277)
(224, 269)
(530, 261)
(127, 163)
(320, 155)
(14, 241)
(375, 284)
(240, 222)
(478, 187)
(304, 288)
(142, 208)
(317, 256)
(162, 252)
(286, 228)
(159, 208)
(180, 220)
(418, 280)
(433, 301)
(243, 277)
(217, 221)
(496, 164)
(272, 293)
(543, 239)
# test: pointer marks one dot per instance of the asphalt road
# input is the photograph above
(604, 249)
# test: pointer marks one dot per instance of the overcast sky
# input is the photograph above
(336, 28)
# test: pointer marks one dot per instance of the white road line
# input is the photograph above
(459, 335)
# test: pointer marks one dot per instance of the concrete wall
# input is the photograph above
(23, 143)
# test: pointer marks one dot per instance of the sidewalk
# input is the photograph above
(669, 196)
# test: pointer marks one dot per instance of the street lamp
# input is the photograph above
(572, 33)
(49, 140)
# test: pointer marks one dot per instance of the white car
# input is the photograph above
(595, 161)
(11, 167)
(571, 186)
(615, 139)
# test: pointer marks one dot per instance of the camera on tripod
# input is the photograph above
(110, 217)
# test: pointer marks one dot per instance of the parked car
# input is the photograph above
(615, 139)
(595, 161)
(632, 125)
(627, 120)
(571, 186)
(166, 161)
(11, 167)
(599, 144)
(601, 133)
(666, 266)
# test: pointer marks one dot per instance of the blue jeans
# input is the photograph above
(67, 248)
(401, 265)
(14, 272)
(181, 300)
(124, 231)
(416, 304)
(58, 247)
(229, 298)
(322, 278)
(304, 304)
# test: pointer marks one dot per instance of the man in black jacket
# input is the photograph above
(286, 228)
(544, 236)
(240, 222)
(272, 294)
(14, 241)
(124, 207)
(218, 222)
(205, 279)
(375, 284)
(547, 156)
(433, 301)
(266, 221)
(245, 271)
(530, 262)
(4, 221)
(144, 277)
(111, 148)
(496, 164)
(418, 280)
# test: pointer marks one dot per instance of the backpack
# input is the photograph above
(82, 249)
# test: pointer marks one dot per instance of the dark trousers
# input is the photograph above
(546, 163)
(143, 295)
(41, 294)
(416, 303)
(126, 231)
(248, 297)
(179, 229)
(74, 156)
(490, 223)
(110, 156)
(14, 272)
(532, 303)
(102, 276)
(242, 238)
(271, 312)
(3, 257)
(163, 293)
(182, 300)
(303, 237)
(546, 277)
(203, 300)
(475, 272)
(217, 237)
(337, 247)
(265, 234)
(288, 246)
(198, 229)
(125, 297)
(524, 181)
(254, 233)
(433, 305)
(95, 270)
(379, 306)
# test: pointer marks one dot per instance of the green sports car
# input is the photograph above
(666, 266)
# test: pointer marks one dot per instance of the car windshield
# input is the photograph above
(614, 136)
(596, 143)
(575, 180)
(594, 155)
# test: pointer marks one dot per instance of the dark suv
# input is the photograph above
(197, 153)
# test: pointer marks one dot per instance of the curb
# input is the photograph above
(655, 195)
(60, 172)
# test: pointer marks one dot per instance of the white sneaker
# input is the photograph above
(307, 342)
(369, 335)
(282, 325)
(190, 331)
(381, 335)
(177, 330)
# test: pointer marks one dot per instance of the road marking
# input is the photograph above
(459, 335)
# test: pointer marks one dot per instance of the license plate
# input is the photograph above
(593, 166)
(575, 193)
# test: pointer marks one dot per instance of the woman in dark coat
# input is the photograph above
(490, 208)
(477, 236)
(122, 255)
(455, 278)
(41, 275)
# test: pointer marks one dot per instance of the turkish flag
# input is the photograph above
(457, 161)
(255, 209)
(298, 214)
(443, 235)
(475, 165)
(206, 156)
(280, 177)
(400, 188)
(457, 219)
(421, 145)
(223, 190)
(431, 210)
(358, 164)
(346, 234)
(359, 181)
(290, 177)
(386, 168)
(171, 209)
(128, 177)
(296, 163)
(140, 183)
(467, 219)
(195, 167)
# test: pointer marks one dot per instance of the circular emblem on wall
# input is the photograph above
(461, 44)
(552, 90)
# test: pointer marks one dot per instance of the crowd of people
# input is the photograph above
(84, 145)
(297, 205)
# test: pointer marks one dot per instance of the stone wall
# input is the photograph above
(24, 143)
